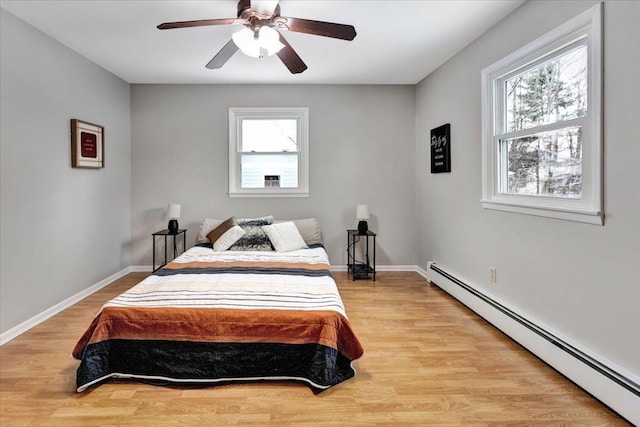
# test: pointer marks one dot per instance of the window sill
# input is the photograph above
(261, 194)
(585, 216)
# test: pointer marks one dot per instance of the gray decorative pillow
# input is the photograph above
(254, 239)
(309, 229)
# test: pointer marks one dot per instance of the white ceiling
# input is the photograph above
(398, 42)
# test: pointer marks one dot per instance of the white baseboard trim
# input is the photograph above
(7, 336)
(141, 269)
(598, 376)
(421, 271)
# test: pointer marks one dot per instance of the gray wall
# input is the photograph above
(62, 229)
(578, 279)
(361, 143)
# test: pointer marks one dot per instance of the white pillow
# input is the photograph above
(225, 235)
(227, 240)
(285, 236)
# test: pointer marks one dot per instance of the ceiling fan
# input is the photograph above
(261, 37)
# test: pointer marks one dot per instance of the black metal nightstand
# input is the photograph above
(360, 269)
(166, 233)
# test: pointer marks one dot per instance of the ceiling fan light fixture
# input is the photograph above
(261, 36)
(265, 40)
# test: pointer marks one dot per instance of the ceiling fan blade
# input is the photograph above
(319, 28)
(264, 7)
(290, 58)
(200, 23)
(223, 55)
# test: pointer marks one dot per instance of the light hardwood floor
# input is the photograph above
(428, 361)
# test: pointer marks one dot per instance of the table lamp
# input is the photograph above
(362, 214)
(173, 214)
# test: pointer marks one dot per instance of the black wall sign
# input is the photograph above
(441, 149)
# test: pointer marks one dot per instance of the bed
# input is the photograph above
(219, 316)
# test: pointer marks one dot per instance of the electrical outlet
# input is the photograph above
(492, 274)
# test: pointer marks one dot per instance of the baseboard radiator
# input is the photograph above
(607, 384)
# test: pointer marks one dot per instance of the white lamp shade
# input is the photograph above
(174, 210)
(270, 40)
(362, 212)
(247, 43)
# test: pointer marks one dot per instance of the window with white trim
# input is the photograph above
(542, 113)
(268, 152)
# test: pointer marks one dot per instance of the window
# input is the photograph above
(268, 152)
(541, 123)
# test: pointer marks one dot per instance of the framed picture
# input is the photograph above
(441, 149)
(87, 145)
